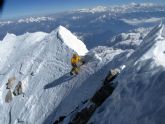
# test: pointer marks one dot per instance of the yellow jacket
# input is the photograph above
(75, 59)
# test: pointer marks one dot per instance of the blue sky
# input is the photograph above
(21, 8)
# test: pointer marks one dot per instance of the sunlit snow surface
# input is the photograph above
(139, 96)
(37, 59)
(72, 41)
(42, 62)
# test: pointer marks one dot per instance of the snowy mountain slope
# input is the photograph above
(88, 81)
(36, 59)
(139, 96)
(42, 62)
(43, 66)
(10, 43)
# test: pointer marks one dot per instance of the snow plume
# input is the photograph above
(70, 40)
(139, 95)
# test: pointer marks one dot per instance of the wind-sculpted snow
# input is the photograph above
(83, 86)
(42, 62)
(156, 51)
(72, 41)
(36, 59)
(139, 96)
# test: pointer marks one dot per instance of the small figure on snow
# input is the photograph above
(76, 62)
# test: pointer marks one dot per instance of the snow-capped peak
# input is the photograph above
(35, 59)
(71, 41)
(121, 8)
(133, 4)
(95, 9)
(34, 19)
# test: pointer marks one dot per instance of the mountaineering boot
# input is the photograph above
(76, 71)
(71, 73)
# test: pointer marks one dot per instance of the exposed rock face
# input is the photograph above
(100, 96)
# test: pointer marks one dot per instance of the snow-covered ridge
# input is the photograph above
(37, 59)
(156, 51)
(138, 97)
(5, 22)
(112, 10)
(10, 42)
(122, 8)
(70, 40)
(28, 20)
(34, 19)
(129, 40)
(95, 9)
(42, 62)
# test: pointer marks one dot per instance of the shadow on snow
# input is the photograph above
(60, 80)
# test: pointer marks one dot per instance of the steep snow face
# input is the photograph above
(43, 66)
(70, 40)
(139, 95)
(83, 86)
(157, 51)
(9, 45)
(36, 59)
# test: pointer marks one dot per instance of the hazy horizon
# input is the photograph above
(24, 8)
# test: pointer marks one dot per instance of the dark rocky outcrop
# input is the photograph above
(83, 116)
